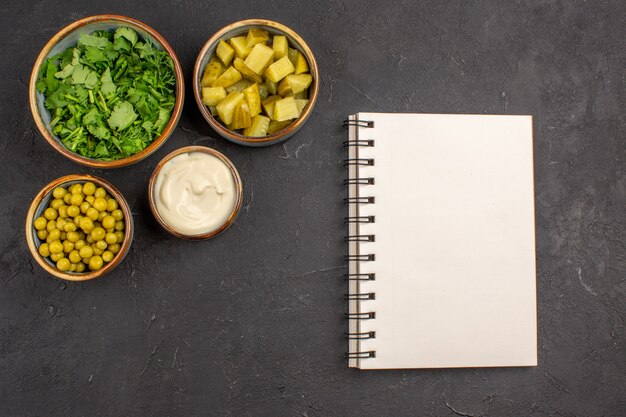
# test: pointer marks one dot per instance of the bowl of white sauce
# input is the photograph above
(195, 192)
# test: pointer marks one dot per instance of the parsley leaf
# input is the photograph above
(92, 40)
(79, 75)
(123, 115)
(65, 72)
(107, 87)
(127, 33)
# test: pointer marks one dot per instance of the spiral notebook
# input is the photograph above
(441, 241)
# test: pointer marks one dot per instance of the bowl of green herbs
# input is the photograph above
(106, 91)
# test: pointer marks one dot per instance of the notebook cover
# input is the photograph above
(454, 241)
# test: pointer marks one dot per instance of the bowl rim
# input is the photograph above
(238, 186)
(83, 276)
(281, 134)
(156, 143)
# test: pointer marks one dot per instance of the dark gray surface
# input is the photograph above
(251, 323)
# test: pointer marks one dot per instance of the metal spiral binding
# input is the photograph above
(361, 316)
(358, 161)
(360, 336)
(358, 200)
(361, 355)
(359, 238)
(364, 296)
(359, 123)
(358, 296)
(360, 277)
(362, 143)
(359, 219)
(361, 258)
(358, 181)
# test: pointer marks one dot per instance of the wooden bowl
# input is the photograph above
(239, 28)
(68, 36)
(40, 203)
(238, 185)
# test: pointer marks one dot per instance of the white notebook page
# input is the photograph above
(455, 241)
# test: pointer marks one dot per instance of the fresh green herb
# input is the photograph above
(109, 96)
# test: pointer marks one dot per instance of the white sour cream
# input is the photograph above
(195, 193)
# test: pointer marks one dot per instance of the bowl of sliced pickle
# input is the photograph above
(256, 82)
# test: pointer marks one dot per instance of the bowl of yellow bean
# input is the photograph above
(256, 82)
(79, 227)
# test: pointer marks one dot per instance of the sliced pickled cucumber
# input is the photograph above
(256, 36)
(259, 126)
(294, 84)
(241, 116)
(224, 52)
(263, 91)
(284, 88)
(301, 94)
(211, 72)
(275, 126)
(280, 46)
(272, 88)
(211, 96)
(268, 105)
(279, 70)
(228, 78)
(239, 45)
(293, 56)
(226, 107)
(239, 86)
(247, 72)
(301, 65)
(285, 109)
(253, 98)
(301, 104)
(260, 58)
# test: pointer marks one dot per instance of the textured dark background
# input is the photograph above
(251, 323)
